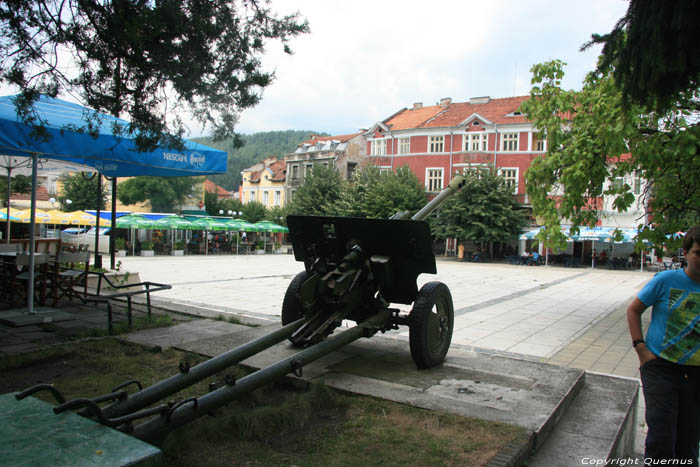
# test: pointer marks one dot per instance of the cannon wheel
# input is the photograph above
(291, 306)
(431, 321)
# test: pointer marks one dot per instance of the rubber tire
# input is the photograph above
(431, 322)
(291, 306)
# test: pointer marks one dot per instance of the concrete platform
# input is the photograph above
(532, 395)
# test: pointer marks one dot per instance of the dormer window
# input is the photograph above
(476, 123)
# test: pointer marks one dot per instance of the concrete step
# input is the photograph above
(598, 425)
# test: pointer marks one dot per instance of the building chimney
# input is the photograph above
(417, 105)
(479, 100)
(445, 101)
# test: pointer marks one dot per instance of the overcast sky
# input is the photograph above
(365, 60)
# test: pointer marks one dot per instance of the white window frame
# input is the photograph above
(477, 169)
(509, 142)
(538, 138)
(308, 168)
(434, 175)
(436, 144)
(637, 181)
(475, 142)
(504, 171)
(405, 145)
(266, 197)
(378, 147)
(295, 171)
(384, 169)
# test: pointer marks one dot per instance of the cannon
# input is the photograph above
(354, 269)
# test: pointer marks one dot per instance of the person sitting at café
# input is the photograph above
(476, 256)
(524, 257)
(533, 259)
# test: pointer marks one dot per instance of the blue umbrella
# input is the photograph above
(115, 156)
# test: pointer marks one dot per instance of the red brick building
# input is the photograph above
(436, 142)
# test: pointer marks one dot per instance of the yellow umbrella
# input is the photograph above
(83, 218)
(41, 217)
(59, 217)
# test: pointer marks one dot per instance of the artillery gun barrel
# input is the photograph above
(455, 185)
(155, 430)
(175, 383)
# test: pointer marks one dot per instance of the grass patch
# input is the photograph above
(122, 327)
(276, 425)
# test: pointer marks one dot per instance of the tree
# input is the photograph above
(164, 193)
(254, 212)
(653, 52)
(381, 195)
(591, 141)
(19, 184)
(143, 59)
(215, 206)
(484, 210)
(82, 191)
(211, 203)
(277, 214)
(320, 191)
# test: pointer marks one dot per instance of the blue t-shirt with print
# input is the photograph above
(674, 332)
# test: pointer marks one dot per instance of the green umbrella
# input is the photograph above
(210, 223)
(175, 222)
(135, 221)
(247, 226)
(267, 226)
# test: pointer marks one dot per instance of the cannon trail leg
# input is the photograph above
(175, 383)
(155, 430)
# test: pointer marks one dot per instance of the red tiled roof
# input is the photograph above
(436, 116)
(212, 187)
(279, 170)
(341, 138)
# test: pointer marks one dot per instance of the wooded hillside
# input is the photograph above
(256, 147)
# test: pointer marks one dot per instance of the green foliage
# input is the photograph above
(591, 140)
(179, 245)
(484, 210)
(82, 192)
(119, 243)
(653, 52)
(19, 184)
(141, 59)
(319, 193)
(221, 207)
(381, 195)
(146, 246)
(164, 193)
(277, 214)
(247, 150)
(254, 212)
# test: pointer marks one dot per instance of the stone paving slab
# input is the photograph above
(203, 330)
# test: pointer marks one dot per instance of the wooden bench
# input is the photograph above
(119, 292)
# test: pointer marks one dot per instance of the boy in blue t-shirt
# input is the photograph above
(670, 357)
